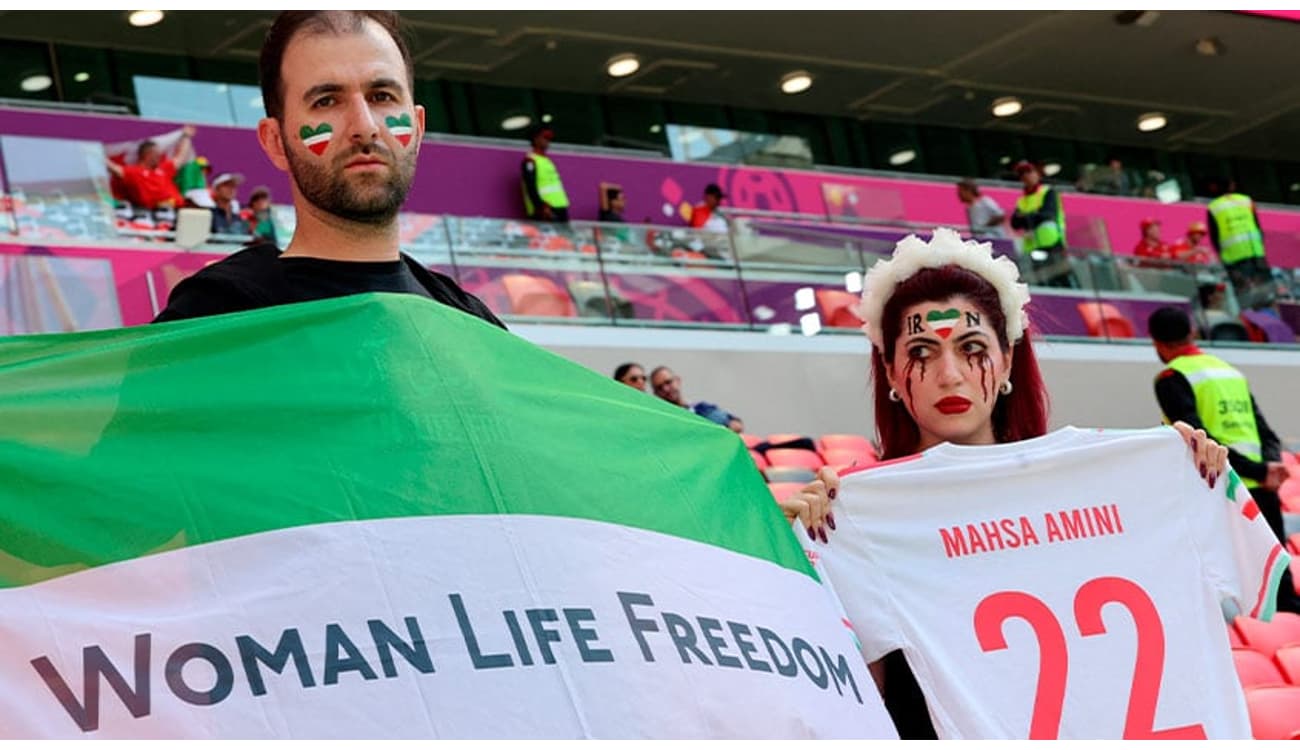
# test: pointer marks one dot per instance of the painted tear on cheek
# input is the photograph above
(908, 372)
(401, 128)
(985, 364)
(316, 139)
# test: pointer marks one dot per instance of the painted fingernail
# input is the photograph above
(822, 532)
(1193, 443)
(831, 494)
(830, 521)
(1214, 478)
(1205, 474)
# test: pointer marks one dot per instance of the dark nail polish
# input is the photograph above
(830, 521)
(1205, 474)
(822, 532)
(831, 494)
(1193, 444)
(1214, 478)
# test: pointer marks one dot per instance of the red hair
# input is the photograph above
(1018, 416)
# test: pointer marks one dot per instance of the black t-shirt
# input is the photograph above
(257, 277)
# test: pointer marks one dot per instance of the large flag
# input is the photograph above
(375, 516)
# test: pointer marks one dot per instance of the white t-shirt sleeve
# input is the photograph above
(1241, 555)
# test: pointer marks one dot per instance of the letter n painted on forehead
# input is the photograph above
(972, 319)
(943, 321)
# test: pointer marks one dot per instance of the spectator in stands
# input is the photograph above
(1213, 297)
(192, 180)
(705, 215)
(150, 182)
(351, 71)
(612, 203)
(543, 191)
(1236, 235)
(1112, 180)
(631, 373)
(1040, 215)
(1150, 245)
(668, 386)
(258, 213)
(226, 218)
(986, 217)
(1202, 390)
(1189, 248)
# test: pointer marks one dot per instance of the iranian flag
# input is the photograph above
(376, 516)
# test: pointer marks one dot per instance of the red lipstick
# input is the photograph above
(953, 405)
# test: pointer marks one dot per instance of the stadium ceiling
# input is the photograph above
(1080, 74)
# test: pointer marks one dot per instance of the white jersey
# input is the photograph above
(1066, 586)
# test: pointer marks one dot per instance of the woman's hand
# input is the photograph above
(1207, 456)
(812, 504)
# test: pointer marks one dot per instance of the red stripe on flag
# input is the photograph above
(1268, 576)
(1249, 509)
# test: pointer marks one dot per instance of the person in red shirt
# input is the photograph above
(150, 182)
(1151, 246)
(1188, 249)
(702, 214)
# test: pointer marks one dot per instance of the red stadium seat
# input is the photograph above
(1293, 543)
(782, 490)
(759, 461)
(537, 295)
(1289, 493)
(1105, 320)
(1234, 638)
(794, 457)
(784, 437)
(1274, 712)
(1268, 637)
(1256, 670)
(1288, 663)
(848, 457)
(838, 309)
(751, 440)
(800, 475)
(845, 442)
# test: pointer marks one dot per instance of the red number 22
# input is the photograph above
(1054, 659)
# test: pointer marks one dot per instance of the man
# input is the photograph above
(1236, 235)
(225, 209)
(704, 215)
(341, 121)
(1150, 245)
(1188, 248)
(150, 182)
(986, 217)
(1041, 217)
(668, 387)
(192, 181)
(612, 203)
(258, 213)
(1208, 393)
(544, 196)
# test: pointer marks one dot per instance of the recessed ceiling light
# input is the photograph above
(142, 18)
(901, 157)
(1209, 46)
(1051, 169)
(546, 118)
(1151, 122)
(1004, 159)
(81, 77)
(623, 66)
(36, 83)
(1295, 187)
(516, 122)
(1007, 106)
(656, 128)
(796, 82)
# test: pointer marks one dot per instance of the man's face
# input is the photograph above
(667, 386)
(542, 142)
(1194, 238)
(260, 204)
(350, 131)
(618, 203)
(151, 156)
(225, 192)
(712, 200)
(1029, 178)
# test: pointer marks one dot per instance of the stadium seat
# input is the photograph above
(784, 437)
(1104, 320)
(1293, 543)
(797, 474)
(794, 457)
(782, 490)
(1274, 712)
(1234, 638)
(1289, 493)
(1288, 663)
(845, 442)
(759, 461)
(1268, 637)
(848, 457)
(838, 309)
(751, 440)
(1256, 670)
(537, 295)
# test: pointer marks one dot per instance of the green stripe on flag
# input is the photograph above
(115, 444)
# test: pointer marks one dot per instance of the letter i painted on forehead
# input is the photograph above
(400, 127)
(316, 139)
(914, 325)
(942, 321)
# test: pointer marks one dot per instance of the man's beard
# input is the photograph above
(364, 198)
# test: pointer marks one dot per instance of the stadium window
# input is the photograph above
(1258, 179)
(1057, 157)
(127, 65)
(26, 72)
(997, 153)
(635, 123)
(895, 147)
(85, 74)
(1205, 167)
(456, 95)
(1288, 175)
(848, 147)
(429, 94)
(807, 127)
(949, 151)
(577, 117)
(700, 115)
(748, 120)
(503, 111)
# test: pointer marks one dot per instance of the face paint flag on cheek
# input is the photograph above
(316, 139)
(942, 321)
(401, 128)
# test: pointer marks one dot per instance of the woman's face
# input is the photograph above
(947, 368)
(634, 377)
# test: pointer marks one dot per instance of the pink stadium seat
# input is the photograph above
(845, 442)
(1274, 712)
(1234, 638)
(1105, 320)
(1289, 492)
(1288, 663)
(782, 490)
(848, 457)
(759, 461)
(751, 440)
(1268, 637)
(1293, 543)
(1256, 670)
(784, 437)
(795, 457)
(537, 295)
(837, 309)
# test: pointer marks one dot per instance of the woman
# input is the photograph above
(951, 362)
(631, 374)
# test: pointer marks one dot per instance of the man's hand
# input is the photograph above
(547, 213)
(188, 131)
(1277, 474)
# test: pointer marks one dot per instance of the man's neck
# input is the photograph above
(319, 234)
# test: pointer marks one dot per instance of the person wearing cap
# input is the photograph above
(1188, 249)
(543, 191)
(1041, 217)
(258, 213)
(1150, 245)
(704, 215)
(225, 213)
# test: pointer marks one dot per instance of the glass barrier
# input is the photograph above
(58, 188)
(47, 294)
(199, 102)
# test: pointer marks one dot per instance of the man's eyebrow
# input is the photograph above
(321, 88)
(384, 83)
